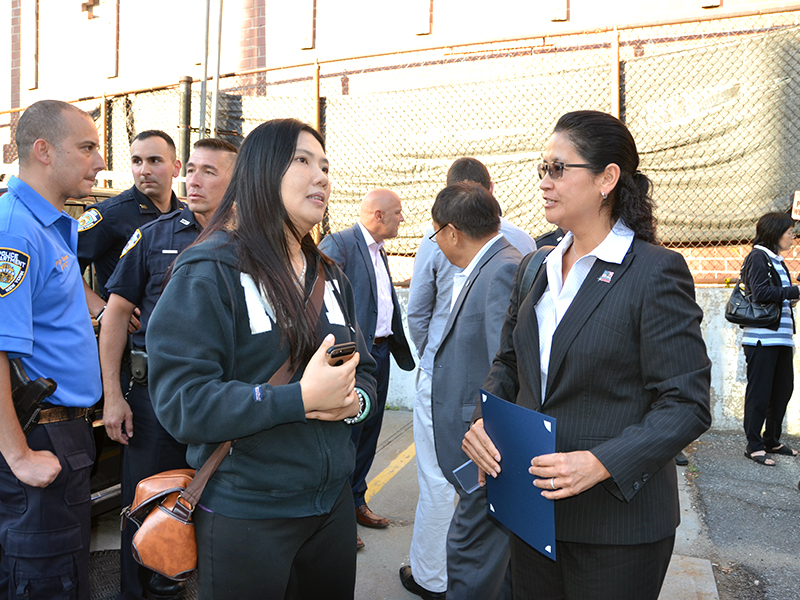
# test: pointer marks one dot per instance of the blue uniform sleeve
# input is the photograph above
(94, 237)
(18, 274)
(129, 278)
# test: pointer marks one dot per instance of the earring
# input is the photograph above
(604, 195)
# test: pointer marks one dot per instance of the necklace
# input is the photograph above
(302, 277)
(573, 251)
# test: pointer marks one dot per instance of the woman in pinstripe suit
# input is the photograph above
(608, 342)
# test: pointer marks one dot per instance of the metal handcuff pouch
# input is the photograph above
(139, 365)
(28, 395)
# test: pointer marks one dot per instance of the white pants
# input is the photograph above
(436, 503)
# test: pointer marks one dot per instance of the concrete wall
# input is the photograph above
(728, 372)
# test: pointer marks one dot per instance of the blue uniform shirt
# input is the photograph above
(106, 227)
(146, 258)
(45, 320)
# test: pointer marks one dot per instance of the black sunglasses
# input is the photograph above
(432, 237)
(556, 169)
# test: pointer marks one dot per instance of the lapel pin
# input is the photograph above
(606, 276)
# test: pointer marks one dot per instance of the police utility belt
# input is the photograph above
(28, 397)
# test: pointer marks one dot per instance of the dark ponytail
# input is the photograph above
(600, 140)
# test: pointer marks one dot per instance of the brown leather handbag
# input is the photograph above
(162, 510)
(163, 504)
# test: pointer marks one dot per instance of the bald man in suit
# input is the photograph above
(359, 251)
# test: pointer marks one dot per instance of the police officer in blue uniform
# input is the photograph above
(45, 512)
(137, 281)
(106, 227)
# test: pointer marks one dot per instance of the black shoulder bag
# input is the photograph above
(746, 312)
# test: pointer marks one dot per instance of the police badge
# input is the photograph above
(13, 267)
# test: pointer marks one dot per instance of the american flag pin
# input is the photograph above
(606, 276)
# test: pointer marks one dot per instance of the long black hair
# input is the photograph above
(770, 229)
(253, 214)
(600, 140)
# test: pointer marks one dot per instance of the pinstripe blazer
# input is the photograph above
(628, 379)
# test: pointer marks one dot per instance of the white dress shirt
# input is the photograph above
(383, 326)
(558, 295)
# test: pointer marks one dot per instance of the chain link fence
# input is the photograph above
(714, 107)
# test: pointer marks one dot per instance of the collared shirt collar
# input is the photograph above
(612, 249)
(146, 205)
(368, 236)
(187, 219)
(476, 259)
(45, 213)
(769, 252)
(460, 279)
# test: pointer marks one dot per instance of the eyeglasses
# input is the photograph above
(432, 237)
(556, 169)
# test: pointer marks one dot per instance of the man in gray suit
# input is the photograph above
(429, 304)
(466, 220)
(359, 252)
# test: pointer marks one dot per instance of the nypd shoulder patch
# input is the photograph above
(89, 219)
(137, 235)
(13, 268)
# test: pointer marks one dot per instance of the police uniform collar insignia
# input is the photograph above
(144, 206)
(13, 267)
(186, 221)
(89, 219)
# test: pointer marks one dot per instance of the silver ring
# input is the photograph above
(552, 485)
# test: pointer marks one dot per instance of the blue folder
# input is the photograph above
(520, 434)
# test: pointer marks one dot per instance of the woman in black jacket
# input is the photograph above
(769, 351)
(276, 520)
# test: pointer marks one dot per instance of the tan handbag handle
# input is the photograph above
(186, 502)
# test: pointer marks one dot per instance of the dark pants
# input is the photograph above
(770, 383)
(151, 450)
(582, 571)
(304, 558)
(45, 532)
(365, 435)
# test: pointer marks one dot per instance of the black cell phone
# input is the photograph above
(338, 354)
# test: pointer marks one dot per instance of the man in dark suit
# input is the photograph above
(466, 220)
(359, 252)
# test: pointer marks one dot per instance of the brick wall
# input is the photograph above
(715, 265)
(253, 46)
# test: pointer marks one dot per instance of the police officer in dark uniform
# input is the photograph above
(45, 502)
(106, 227)
(551, 238)
(138, 280)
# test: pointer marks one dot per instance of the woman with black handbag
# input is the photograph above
(769, 350)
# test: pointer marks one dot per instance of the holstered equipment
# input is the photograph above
(28, 395)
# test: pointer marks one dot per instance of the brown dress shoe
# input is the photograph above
(367, 518)
(359, 543)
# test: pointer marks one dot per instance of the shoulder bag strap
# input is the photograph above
(191, 495)
(531, 271)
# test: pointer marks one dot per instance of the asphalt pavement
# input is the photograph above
(739, 538)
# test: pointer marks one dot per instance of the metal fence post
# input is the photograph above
(184, 125)
(106, 150)
(615, 79)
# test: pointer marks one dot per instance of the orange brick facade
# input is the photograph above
(721, 264)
